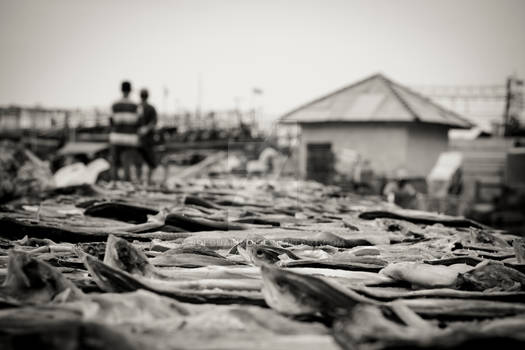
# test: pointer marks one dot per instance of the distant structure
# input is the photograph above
(493, 108)
(18, 118)
(384, 122)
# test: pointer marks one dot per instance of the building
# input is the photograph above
(384, 122)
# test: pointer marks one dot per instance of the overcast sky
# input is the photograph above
(67, 53)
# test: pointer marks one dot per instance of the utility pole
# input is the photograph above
(255, 92)
(198, 109)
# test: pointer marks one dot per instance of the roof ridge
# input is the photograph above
(389, 83)
(335, 92)
(428, 100)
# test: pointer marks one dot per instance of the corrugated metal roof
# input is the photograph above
(375, 99)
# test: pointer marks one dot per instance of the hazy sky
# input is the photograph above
(68, 53)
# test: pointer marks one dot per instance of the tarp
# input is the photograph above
(89, 148)
(444, 173)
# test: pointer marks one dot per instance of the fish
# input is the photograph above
(421, 275)
(295, 294)
(492, 276)
(193, 249)
(397, 327)
(451, 308)
(192, 256)
(258, 221)
(519, 249)
(198, 224)
(329, 239)
(388, 294)
(138, 308)
(109, 278)
(468, 260)
(17, 228)
(120, 211)
(240, 248)
(59, 328)
(31, 280)
(260, 254)
(124, 256)
(200, 202)
(113, 280)
(338, 264)
(191, 260)
(422, 217)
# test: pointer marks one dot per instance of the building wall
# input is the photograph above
(389, 146)
(383, 144)
(425, 143)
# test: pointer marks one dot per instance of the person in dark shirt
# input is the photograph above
(147, 121)
(123, 137)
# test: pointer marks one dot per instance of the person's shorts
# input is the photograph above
(148, 154)
(123, 155)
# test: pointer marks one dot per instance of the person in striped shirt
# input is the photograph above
(123, 137)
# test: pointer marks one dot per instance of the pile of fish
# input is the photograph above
(232, 263)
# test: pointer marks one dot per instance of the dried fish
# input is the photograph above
(31, 280)
(59, 329)
(120, 211)
(389, 294)
(452, 308)
(424, 275)
(492, 276)
(164, 276)
(519, 249)
(421, 217)
(338, 264)
(326, 238)
(200, 202)
(122, 255)
(190, 260)
(296, 294)
(263, 254)
(113, 280)
(371, 327)
(193, 224)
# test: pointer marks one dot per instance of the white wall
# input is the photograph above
(383, 144)
(425, 143)
(389, 146)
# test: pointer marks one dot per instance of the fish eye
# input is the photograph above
(280, 284)
(259, 252)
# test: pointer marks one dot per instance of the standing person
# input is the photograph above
(123, 138)
(148, 120)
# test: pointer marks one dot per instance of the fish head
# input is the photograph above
(108, 278)
(35, 281)
(292, 293)
(16, 275)
(240, 248)
(284, 292)
(260, 254)
(123, 255)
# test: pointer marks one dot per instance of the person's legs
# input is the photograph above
(148, 155)
(139, 163)
(127, 161)
(114, 156)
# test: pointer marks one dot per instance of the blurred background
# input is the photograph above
(420, 102)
